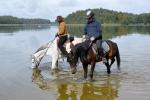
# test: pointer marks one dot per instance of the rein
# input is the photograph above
(89, 46)
(48, 47)
(36, 61)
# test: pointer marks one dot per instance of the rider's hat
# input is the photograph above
(59, 18)
(89, 14)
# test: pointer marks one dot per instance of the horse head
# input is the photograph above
(35, 63)
(77, 51)
(73, 60)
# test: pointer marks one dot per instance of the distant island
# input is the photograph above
(79, 17)
(109, 17)
(20, 21)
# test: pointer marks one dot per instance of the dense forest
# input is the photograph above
(109, 17)
(15, 20)
(79, 17)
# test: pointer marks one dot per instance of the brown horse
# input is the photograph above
(87, 56)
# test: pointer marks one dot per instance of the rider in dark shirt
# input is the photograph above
(93, 28)
(93, 31)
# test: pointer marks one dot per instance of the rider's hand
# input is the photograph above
(92, 38)
(56, 34)
(83, 36)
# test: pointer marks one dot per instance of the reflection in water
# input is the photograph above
(13, 29)
(78, 30)
(111, 31)
(105, 89)
(37, 78)
(133, 83)
(65, 93)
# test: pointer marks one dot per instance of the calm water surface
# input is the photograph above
(19, 82)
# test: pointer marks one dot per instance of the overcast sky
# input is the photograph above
(49, 9)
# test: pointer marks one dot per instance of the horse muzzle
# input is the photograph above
(33, 64)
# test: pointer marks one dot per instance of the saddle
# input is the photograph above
(100, 47)
(70, 39)
(68, 44)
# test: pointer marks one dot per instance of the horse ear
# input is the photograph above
(71, 52)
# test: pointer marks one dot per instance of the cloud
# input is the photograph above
(49, 9)
(68, 3)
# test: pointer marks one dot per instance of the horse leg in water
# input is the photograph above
(112, 61)
(85, 67)
(92, 70)
(54, 63)
(108, 67)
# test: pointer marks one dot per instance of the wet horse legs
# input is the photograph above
(108, 67)
(85, 67)
(112, 61)
(92, 70)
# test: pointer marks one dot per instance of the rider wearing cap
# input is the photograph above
(62, 34)
(93, 30)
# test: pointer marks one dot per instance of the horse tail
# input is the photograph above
(118, 58)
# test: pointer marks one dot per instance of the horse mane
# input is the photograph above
(43, 47)
(80, 50)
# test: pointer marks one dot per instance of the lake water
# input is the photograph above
(19, 82)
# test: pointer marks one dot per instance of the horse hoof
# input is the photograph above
(55, 69)
(33, 67)
(91, 80)
(73, 71)
(88, 80)
(108, 72)
(85, 80)
(118, 71)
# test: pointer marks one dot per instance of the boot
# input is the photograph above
(102, 55)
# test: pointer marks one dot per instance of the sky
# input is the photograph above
(49, 9)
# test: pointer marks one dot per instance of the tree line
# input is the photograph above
(109, 17)
(15, 20)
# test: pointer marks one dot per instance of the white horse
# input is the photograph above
(52, 50)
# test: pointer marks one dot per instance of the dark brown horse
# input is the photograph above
(87, 56)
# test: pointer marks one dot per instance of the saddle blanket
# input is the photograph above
(104, 45)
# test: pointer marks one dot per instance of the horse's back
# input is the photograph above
(113, 48)
(111, 43)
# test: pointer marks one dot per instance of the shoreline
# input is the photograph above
(25, 24)
(72, 25)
